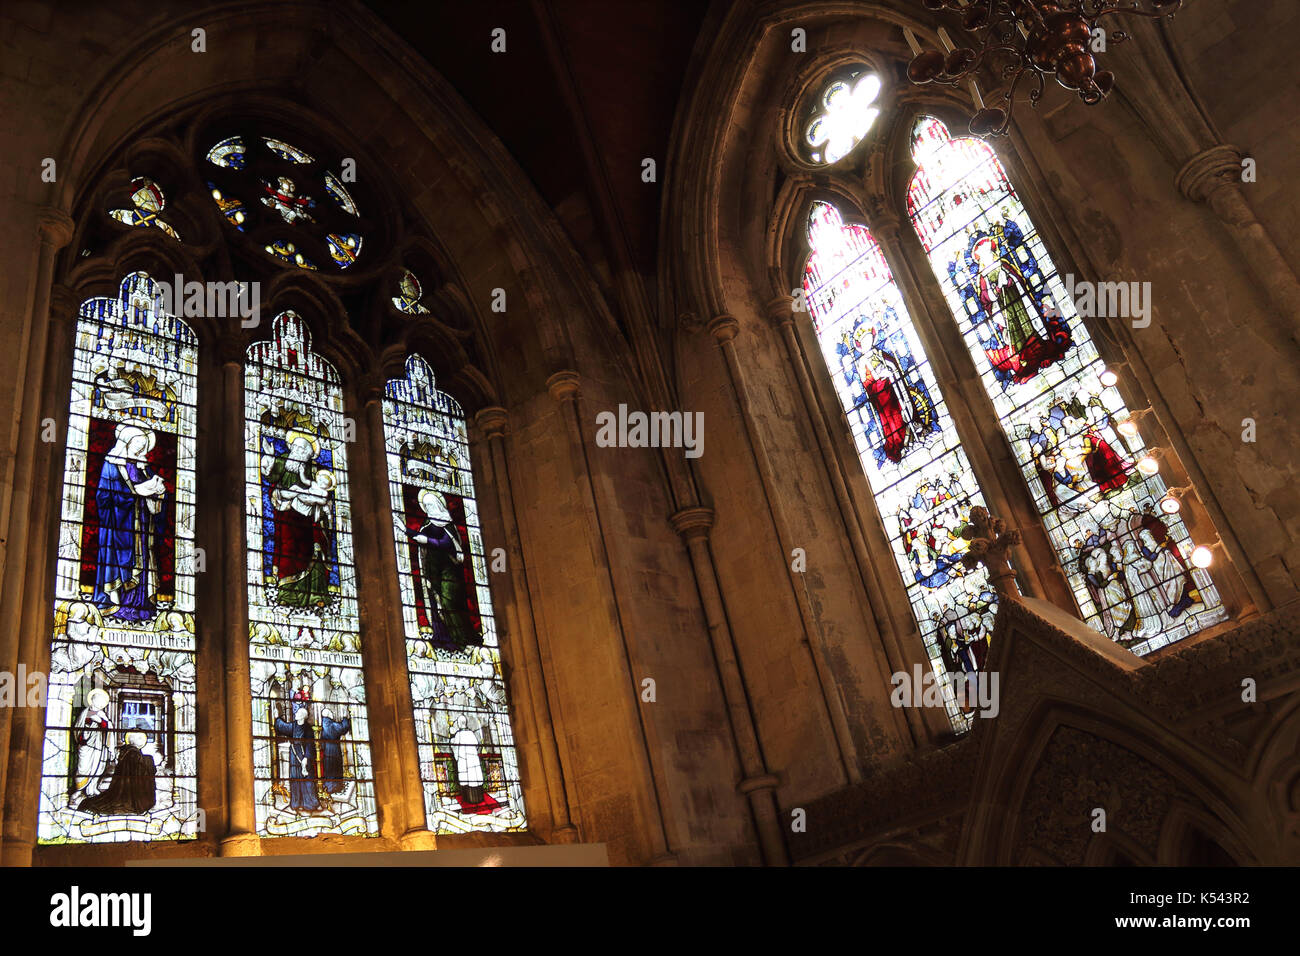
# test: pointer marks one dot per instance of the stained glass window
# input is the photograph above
(468, 762)
(409, 294)
(841, 117)
(278, 188)
(311, 751)
(922, 482)
(1127, 561)
(340, 194)
(229, 152)
(286, 152)
(119, 759)
(148, 201)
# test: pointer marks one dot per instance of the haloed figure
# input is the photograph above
(90, 736)
(442, 574)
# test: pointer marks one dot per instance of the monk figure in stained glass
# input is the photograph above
(300, 492)
(132, 789)
(331, 750)
(442, 572)
(129, 498)
(302, 758)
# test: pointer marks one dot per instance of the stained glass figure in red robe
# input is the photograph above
(300, 492)
(1024, 332)
(901, 410)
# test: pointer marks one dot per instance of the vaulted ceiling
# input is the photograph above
(585, 90)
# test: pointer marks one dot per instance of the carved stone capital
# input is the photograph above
(1208, 171)
(691, 523)
(780, 311)
(723, 328)
(65, 303)
(493, 420)
(232, 347)
(564, 385)
(370, 388)
(56, 226)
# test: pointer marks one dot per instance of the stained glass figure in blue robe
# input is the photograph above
(302, 759)
(129, 497)
(331, 751)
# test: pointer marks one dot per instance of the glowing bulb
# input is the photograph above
(1170, 505)
(1108, 378)
(1202, 557)
(1148, 466)
(1128, 429)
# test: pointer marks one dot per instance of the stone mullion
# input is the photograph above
(724, 329)
(522, 630)
(55, 232)
(240, 838)
(394, 744)
(27, 739)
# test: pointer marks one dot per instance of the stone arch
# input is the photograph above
(1018, 797)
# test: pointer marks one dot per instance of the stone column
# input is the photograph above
(724, 329)
(240, 838)
(1213, 176)
(26, 741)
(494, 422)
(564, 387)
(758, 785)
(54, 232)
(394, 748)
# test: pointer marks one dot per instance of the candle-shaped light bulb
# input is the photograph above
(912, 41)
(945, 40)
(975, 95)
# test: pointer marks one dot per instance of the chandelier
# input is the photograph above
(1034, 38)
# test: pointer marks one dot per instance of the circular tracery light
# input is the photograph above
(845, 116)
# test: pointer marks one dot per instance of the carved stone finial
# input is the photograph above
(990, 545)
